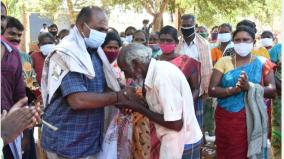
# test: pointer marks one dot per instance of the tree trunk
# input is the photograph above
(177, 18)
(25, 23)
(158, 15)
(71, 11)
(157, 22)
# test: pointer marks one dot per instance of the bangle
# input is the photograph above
(227, 91)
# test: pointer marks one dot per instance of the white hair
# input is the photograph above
(137, 52)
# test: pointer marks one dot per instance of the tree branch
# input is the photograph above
(147, 7)
(163, 6)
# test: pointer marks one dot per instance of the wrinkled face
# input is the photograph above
(13, 35)
(3, 19)
(46, 40)
(128, 72)
(112, 46)
(139, 38)
(154, 39)
(166, 39)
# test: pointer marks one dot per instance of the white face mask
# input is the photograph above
(243, 49)
(95, 39)
(129, 38)
(47, 49)
(266, 42)
(224, 37)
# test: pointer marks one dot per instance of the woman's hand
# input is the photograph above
(243, 82)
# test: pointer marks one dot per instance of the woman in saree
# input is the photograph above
(229, 82)
(191, 69)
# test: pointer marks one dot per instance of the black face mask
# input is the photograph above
(188, 31)
(54, 33)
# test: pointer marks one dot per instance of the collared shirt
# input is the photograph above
(204, 57)
(12, 81)
(79, 132)
(191, 50)
(38, 61)
(168, 93)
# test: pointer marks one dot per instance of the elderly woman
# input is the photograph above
(229, 83)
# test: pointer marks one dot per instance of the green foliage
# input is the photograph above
(213, 12)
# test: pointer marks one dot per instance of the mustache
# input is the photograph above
(15, 41)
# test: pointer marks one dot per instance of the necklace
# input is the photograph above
(236, 60)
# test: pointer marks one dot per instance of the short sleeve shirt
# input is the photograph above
(168, 93)
(79, 131)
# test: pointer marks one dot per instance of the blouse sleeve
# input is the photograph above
(220, 65)
(267, 67)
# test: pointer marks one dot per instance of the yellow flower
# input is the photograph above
(27, 67)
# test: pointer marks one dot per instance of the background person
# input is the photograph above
(229, 82)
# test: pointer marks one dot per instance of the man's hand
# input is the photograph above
(130, 106)
(19, 118)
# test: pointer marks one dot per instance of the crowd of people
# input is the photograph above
(98, 93)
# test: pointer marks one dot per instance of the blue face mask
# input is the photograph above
(95, 39)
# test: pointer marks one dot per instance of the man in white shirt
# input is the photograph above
(44, 29)
(169, 98)
(196, 47)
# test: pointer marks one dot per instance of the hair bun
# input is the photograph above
(249, 24)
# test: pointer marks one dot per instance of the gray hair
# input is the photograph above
(135, 51)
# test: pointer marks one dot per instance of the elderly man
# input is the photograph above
(74, 81)
(196, 47)
(169, 99)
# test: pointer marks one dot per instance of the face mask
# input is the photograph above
(129, 38)
(187, 31)
(54, 33)
(111, 55)
(167, 48)
(214, 36)
(204, 35)
(266, 42)
(154, 47)
(224, 37)
(95, 39)
(243, 49)
(47, 49)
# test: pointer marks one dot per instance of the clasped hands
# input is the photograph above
(129, 101)
(243, 83)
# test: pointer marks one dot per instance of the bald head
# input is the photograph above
(92, 17)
